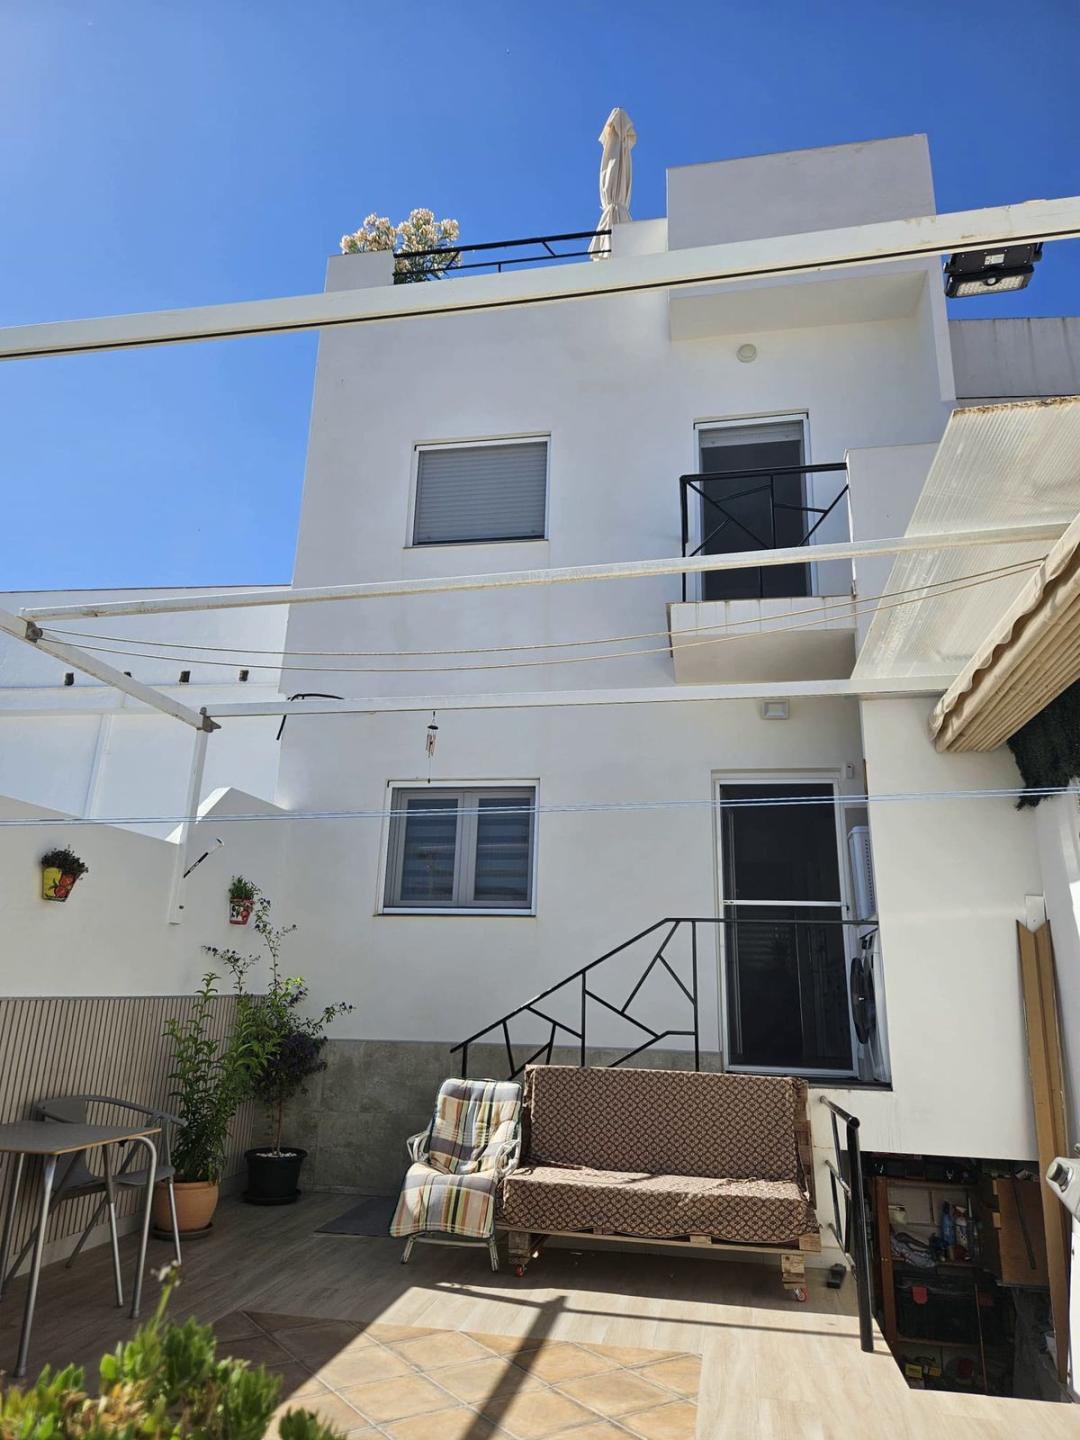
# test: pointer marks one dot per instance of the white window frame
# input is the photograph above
(476, 444)
(465, 856)
(833, 779)
(695, 588)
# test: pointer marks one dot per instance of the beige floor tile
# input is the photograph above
(271, 1320)
(386, 1333)
(676, 1421)
(331, 1410)
(397, 1399)
(256, 1350)
(362, 1366)
(507, 1344)
(599, 1430)
(298, 1381)
(458, 1424)
(441, 1347)
(682, 1374)
(557, 1361)
(320, 1344)
(236, 1326)
(614, 1393)
(535, 1415)
(631, 1355)
(480, 1379)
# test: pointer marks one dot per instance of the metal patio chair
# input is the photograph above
(75, 1179)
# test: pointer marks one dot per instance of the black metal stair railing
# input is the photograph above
(496, 254)
(757, 528)
(579, 982)
(849, 1223)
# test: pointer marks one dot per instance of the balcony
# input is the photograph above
(788, 622)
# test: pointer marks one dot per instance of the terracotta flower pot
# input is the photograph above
(196, 1201)
(240, 911)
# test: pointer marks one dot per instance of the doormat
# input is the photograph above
(371, 1216)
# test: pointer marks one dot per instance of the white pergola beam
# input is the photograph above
(26, 631)
(808, 253)
(556, 699)
(1038, 532)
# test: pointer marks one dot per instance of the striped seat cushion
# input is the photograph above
(452, 1204)
(473, 1120)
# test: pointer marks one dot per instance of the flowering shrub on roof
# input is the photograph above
(421, 231)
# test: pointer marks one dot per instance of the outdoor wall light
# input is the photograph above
(774, 709)
(978, 272)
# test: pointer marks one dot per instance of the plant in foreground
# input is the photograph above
(166, 1383)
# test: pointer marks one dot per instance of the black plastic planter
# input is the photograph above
(273, 1179)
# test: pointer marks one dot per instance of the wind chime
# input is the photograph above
(429, 743)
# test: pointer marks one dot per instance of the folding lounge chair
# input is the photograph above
(449, 1193)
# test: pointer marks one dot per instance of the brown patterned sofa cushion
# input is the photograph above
(547, 1200)
(667, 1122)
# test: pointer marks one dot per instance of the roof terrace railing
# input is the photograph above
(540, 250)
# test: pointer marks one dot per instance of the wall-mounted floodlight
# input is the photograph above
(979, 272)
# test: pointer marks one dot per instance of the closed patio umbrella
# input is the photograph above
(618, 138)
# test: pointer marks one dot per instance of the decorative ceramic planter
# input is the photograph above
(55, 885)
(272, 1179)
(196, 1201)
(240, 911)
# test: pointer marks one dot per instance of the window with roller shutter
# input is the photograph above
(468, 494)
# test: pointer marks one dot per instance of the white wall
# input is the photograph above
(601, 877)
(112, 936)
(952, 879)
(87, 750)
(1057, 827)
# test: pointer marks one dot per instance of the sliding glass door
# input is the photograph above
(784, 953)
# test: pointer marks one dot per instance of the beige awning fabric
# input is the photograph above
(1030, 656)
(618, 138)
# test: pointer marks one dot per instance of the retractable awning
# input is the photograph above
(1029, 658)
(996, 465)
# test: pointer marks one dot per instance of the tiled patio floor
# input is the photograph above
(408, 1382)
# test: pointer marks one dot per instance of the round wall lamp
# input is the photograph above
(746, 353)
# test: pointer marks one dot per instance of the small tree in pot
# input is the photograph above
(211, 1077)
(288, 1045)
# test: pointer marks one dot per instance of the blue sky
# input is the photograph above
(159, 153)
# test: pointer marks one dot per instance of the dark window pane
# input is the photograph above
(787, 989)
(502, 851)
(752, 513)
(429, 851)
(780, 852)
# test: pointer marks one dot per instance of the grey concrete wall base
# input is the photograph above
(356, 1115)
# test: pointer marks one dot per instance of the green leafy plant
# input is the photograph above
(211, 1077)
(166, 1383)
(421, 231)
(241, 889)
(66, 861)
(284, 1045)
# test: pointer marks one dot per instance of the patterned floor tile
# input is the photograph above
(683, 1373)
(361, 1366)
(397, 1399)
(442, 1347)
(483, 1379)
(676, 1421)
(614, 1393)
(536, 1414)
(557, 1361)
(458, 1424)
(320, 1344)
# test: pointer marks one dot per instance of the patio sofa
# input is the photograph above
(675, 1156)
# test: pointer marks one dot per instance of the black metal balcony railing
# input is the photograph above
(755, 511)
(537, 250)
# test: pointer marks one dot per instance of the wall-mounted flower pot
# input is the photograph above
(240, 911)
(55, 884)
(273, 1179)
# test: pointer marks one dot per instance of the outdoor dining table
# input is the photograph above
(51, 1141)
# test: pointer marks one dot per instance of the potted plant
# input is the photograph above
(242, 896)
(211, 1077)
(59, 871)
(423, 246)
(286, 1047)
